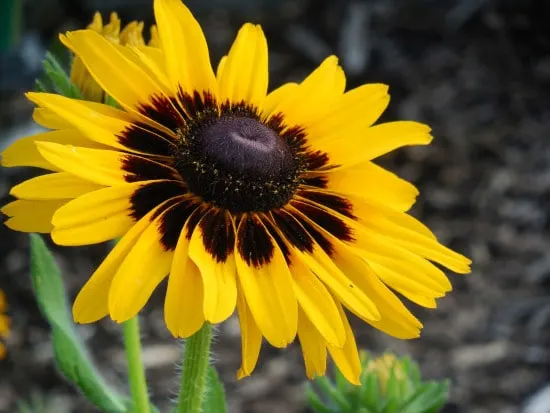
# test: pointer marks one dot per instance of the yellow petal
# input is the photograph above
(60, 185)
(211, 249)
(364, 145)
(96, 165)
(154, 40)
(317, 304)
(368, 209)
(276, 96)
(31, 216)
(3, 302)
(84, 81)
(219, 70)
(267, 284)
(337, 281)
(152, 60)
(183, 307)
(91, 303)
(121, 78)
(251, 337)
(23, 152)
(407, 268)
(111, 30)
(394, 318)
(145, 266)
(95, 217)
(132, 34)
(48, 119)
(347, 358)
(356, 110)
(390, 306)
(426, 302)
(313, 346)
(245, 74)
(314, 97)
(407, 238)
(99, 123)
(184, 47)
(96, 23)
(371, 182)
(5, 323)
(403, 275)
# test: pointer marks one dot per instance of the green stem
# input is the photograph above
(136, 371)
(194, 372)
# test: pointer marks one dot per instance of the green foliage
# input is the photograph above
(71, 356)
(56, 79)
(388, 385)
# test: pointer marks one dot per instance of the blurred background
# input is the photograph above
(477, 71)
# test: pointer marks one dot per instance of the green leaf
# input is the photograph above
(428, 397)
(413, 371)
(60, 82)
(437, 405)
(71, 356)
(315, 402)
(215, 397)
(39, 86)
(332, 393)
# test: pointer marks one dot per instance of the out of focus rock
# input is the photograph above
(538, 402)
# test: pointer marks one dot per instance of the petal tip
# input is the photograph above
(241, 373)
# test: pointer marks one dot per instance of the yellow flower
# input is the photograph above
(131, 34)
(4, 323)
(268, 203)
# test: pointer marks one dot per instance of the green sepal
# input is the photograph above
(214, 400)
(369, 391)
(71, 356)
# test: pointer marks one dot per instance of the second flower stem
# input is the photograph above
(136, 370)
(194, 371)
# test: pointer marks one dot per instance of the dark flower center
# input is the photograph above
(238, 163)
(245, 145)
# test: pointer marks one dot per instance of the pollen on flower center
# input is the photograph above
(238, 163)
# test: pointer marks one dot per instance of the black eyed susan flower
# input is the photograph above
(4, 323)
(269, 203)
(131, 34)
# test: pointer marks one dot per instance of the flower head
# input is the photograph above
(131, 35)
(4, 323)
(268, 203)
(384, 366)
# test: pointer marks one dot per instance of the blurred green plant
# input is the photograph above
(388, 385)
(10, 24)
(39, 402)
(55, 79)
